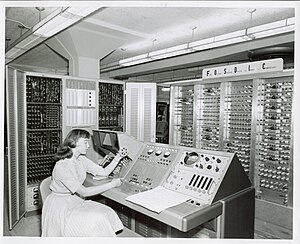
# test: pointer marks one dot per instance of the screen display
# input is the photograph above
(105, 142)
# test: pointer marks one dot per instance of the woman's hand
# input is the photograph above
(116, 182)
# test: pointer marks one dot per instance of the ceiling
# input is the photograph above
(138, 30)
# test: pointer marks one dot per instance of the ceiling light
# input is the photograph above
(57, 21)
(165, 89)
(25, 44)
(170, 54)
(201, 42)
(229, 35)
(248, 34)
(273, 32)
(134, 62)
(68, 16)
(269, 26)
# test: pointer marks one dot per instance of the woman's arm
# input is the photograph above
(95, 169)
(94, 190)
(109, 168)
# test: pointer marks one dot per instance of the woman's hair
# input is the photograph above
(64, 150)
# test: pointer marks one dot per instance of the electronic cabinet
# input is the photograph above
(251, 116)
(182, 119)
(41, 109)
(44, 131)
(34, 132)
(111, 106)
(207, 113)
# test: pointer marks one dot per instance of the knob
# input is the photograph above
(150, 151)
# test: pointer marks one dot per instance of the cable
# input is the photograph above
(16, 21)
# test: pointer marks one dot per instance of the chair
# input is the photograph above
(44, 188)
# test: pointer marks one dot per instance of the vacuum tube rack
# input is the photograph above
(183, 116)
(111, 103)
(208, 116)
(43, 97)
(273, 141)
(237, 120)
(254, 121)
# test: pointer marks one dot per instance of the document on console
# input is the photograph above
(158, 199)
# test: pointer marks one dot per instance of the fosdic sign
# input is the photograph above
(265, 66)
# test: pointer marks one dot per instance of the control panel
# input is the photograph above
(33, 198)
(193, 172)
(198, 175)
(202, 177)
(150, 168)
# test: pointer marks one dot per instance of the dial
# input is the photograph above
(191, 158)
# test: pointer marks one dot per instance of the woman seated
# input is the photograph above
(64, 212)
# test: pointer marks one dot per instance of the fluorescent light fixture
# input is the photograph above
(177, 48)
(58, 24)
(248, 34)
(269, 26)
(165, 89)
(171, 54)
(169, 51)
(181, 81)
(203, 47)
(57, 21)
(273, 32)
(228, 42)
(229, 35)
(25, 44)
(158, 52)
(82, 12)
(134, 60)
(290, 21)
(144, 60)
(248, 37)
(61, 21)
(201, 42)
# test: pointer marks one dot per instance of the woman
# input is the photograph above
(64, 213)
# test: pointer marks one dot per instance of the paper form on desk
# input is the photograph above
(158, 199)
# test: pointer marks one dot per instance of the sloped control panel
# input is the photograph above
(198, 175)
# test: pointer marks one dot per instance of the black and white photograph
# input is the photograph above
(149, 121)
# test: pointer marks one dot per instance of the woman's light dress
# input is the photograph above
(66, 214)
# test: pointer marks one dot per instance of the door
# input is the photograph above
(16, 142)
(141, 110)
